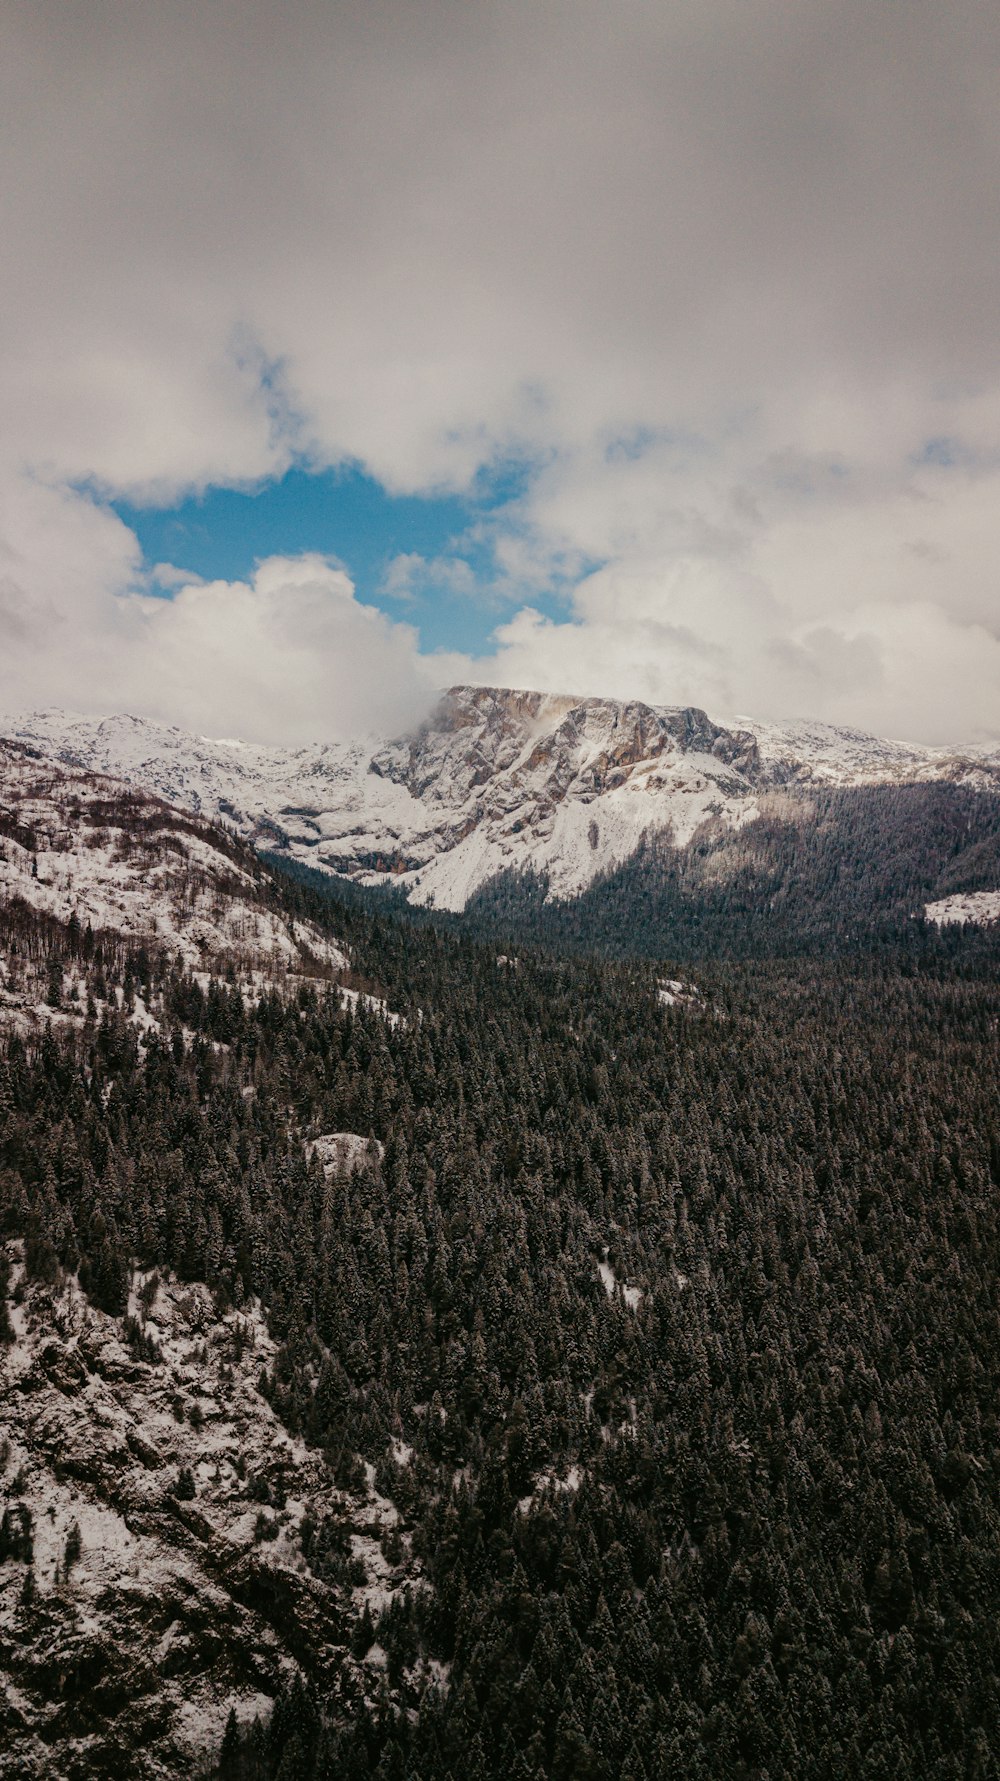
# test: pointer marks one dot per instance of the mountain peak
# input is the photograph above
(496, 778)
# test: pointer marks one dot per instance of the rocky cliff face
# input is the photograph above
(498, 779)
(537, 743)
(159, 1533)
(495, 779)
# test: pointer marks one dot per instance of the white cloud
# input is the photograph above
(167, 575)
(291, 654)
(409, 574)
(787, 588)
(722, 272)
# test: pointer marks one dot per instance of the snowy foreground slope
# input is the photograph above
(495, 779)
(156, 1518)
(153, 1576)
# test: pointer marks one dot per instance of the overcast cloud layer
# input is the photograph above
(726, 271)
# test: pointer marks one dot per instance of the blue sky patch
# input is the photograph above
(343, 513)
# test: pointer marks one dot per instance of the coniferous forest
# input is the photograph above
(685, 1314)
(500, 890)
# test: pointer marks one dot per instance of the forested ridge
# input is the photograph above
(820, 870)
(742, 1519)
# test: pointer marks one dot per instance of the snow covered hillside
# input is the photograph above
(78, 848)
(495, 779)
(169, 1554)
(827, 754)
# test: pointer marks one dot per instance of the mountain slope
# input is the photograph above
(170, 1553)
(820, 871)
(83, 853)
(162, 1514)
(497, 780)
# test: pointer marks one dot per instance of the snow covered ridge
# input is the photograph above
(155, 1523)
(77, 846)
(828, 754)
(494, 780)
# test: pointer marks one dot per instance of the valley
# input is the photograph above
(553, 1339)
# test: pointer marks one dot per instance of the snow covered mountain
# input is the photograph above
(495, 779)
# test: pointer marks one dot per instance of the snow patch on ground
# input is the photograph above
(632, 1295)
(355, 999)
(978, 907)
(549, 1483)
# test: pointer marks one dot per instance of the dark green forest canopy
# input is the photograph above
(746, 1525)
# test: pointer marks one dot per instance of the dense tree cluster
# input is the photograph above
(819, 870)
(740, 1519)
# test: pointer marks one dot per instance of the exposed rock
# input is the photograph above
(978, 908)
(126, 1661)
(341, 1153)
(496, 779)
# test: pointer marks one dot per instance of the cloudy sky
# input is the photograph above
(649, 349)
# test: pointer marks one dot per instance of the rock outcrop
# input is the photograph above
(156, 1527)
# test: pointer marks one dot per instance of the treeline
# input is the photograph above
(821, 870)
